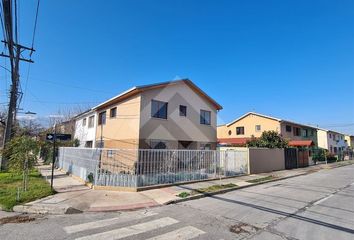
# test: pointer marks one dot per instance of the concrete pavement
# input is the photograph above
(312, 206)
(74, 196)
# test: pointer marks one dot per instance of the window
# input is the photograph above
(258, 128)
(182, 111)
(288, 128)
(88, 144)
(297, 131)
(305, 133)
(158, 109)
(91, 121)
(330, 135)
(110, 154)
(205, 117)
(230, 132)
(113, 112)
(240, 130)
(102, 118)
(84, 122)
(205, 146)
(157, 144)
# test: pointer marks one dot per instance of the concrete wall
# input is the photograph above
(249, 123)
(123, 130)
(86, 133)
(263, 160)
(177, 128)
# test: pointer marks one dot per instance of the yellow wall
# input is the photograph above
(123, 130)
(249, 123)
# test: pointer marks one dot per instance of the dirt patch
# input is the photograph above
(243, 228)
(17, 219)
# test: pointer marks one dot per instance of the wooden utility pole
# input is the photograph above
(14, 56)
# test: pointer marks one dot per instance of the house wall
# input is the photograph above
(249, 123)
(322, 139)
(84, 133)
(312, 132)
(263, 160)
(348, 142)
(123, 130)
(177, 128)
(336, 140)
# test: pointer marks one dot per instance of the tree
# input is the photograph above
(22, 154)
(268, 139)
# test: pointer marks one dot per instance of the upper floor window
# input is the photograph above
(102, 118)
(84, 122)
(240, 130)
(205, 117)
(297, 131)
(158, 109)
(305, 133)
(258, 128)
(288, 128)
(183, 111)
(230, 132)
(113, 112)
(91, 121)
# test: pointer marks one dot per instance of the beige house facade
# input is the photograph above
(170, 115)
(253, 124)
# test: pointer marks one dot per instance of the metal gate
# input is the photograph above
(290, 158)
(303, 157)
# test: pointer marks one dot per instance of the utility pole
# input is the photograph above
(15, 50)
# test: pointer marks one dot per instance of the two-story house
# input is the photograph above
(253, 124)
(169, 115)
(85, 128)
(334, 142)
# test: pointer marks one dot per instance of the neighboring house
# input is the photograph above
(67, 127)
(333, 141)
(253, 124)
(85, 128)
(171, 115)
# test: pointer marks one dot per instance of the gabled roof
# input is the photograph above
(138, 89)
(253, 113)
(269, 117)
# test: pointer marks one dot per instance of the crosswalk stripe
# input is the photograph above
(104, 223)
(131, 230)
(184, 233)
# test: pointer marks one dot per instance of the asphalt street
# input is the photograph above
(315, 206)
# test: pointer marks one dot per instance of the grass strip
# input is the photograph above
(10, 182)
(262, 179)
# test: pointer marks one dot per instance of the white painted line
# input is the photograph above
(131, 230)
(323, 199)
(180, 234)
(105, 222)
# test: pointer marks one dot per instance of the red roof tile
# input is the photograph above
(301, 143)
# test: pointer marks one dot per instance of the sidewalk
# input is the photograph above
(74, 197)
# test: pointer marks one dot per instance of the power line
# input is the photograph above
(35, 25)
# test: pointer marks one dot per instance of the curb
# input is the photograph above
(203, 195)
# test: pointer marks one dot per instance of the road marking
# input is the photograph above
(181, 234)
(323, 199)
(104, 223)
(131, 230)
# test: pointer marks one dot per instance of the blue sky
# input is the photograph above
(290, 59)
